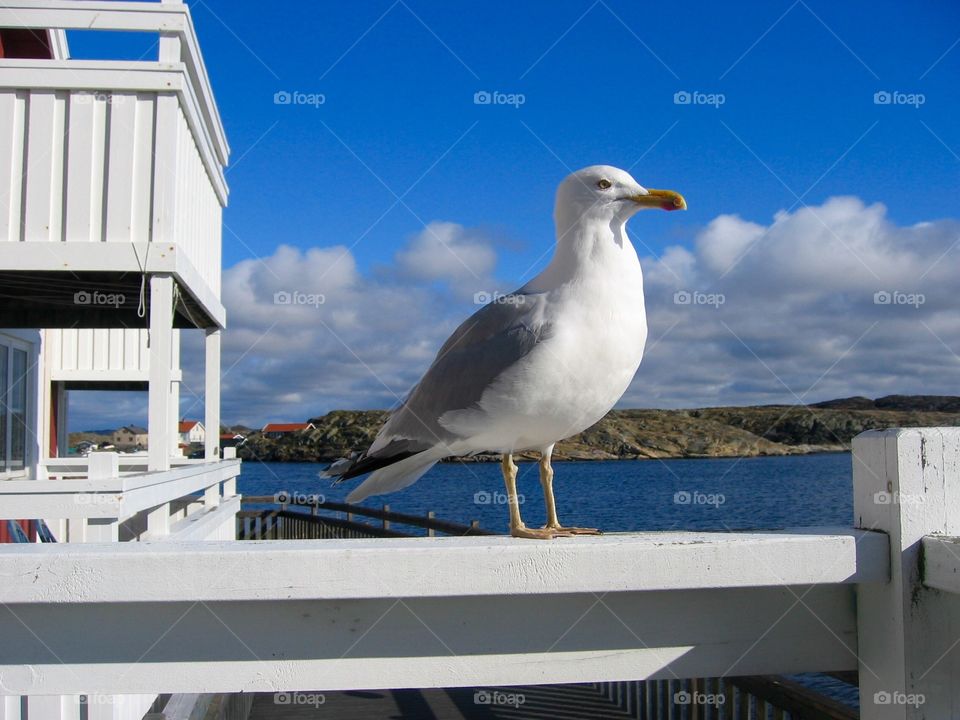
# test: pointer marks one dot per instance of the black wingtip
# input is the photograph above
(369, 464)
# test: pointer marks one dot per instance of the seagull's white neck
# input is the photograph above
(587, 248)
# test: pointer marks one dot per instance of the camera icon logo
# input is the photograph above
(282, 97)
(682, 97)
(482, 697)
(482, 97)
(882, 498)
(482, 498)
(682, 297)
(282, 297)
(482, 297)
(282, 698)
(682, 497)
(882, 297)
(882, 97)
(682, 698)
(82, 297)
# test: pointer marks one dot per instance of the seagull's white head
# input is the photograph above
(607, 194)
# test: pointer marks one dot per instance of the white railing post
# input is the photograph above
(100, 466)
(171, 46)
(161, 340)
(211, 395)
(907, 484)
(211, 496)
(174, 426)
(158, 521)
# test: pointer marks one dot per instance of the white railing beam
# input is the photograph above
(941, 563)
(114, 498)
(228, 646)
(104, 257)
(171, 20)
(428, 612)
(455, 566)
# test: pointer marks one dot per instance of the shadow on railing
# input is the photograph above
(309, 518)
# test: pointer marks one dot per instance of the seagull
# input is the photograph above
(536, 366)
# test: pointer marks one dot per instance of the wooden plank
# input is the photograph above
(84, 359)
(341, 569)
(103, 257)
(115, 347)
(941, 563)
(69, 348)
(142, 171)
(43, 181)
(121, 151)
(84, 169)
(12, 145)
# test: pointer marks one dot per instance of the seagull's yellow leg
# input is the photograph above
(517, 528)
(546, 480)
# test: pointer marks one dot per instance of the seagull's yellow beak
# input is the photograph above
(666, 199)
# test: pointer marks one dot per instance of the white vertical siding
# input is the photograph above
(85, 168)
(98, 353)
(114, 167)
(129, 168)
(44, 143)
(198, 218)
(13, 106)
(87, 349)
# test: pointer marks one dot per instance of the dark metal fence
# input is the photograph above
(307, 518)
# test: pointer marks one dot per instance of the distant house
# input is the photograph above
(130, 436)
(229, 439)
(191, 431)
(278, 430)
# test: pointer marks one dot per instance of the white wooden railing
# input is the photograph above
(111, 153)
(494, 611)
(107, 497)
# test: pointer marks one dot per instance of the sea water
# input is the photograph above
(613, 495)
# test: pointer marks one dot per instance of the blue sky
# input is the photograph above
(798, 123)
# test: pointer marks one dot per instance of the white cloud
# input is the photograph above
(447, 251)
(799, 317)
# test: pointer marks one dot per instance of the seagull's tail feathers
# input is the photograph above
(338, 468)
(398, 475)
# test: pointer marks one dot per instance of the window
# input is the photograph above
(14, 381)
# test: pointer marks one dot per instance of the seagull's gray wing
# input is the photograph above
(484, 346)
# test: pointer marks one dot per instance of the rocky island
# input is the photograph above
(644, 434)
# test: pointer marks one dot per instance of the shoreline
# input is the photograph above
(533, 457)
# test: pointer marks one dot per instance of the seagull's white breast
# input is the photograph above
(579, 371)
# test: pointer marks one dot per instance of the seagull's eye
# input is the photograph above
(604, 184)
